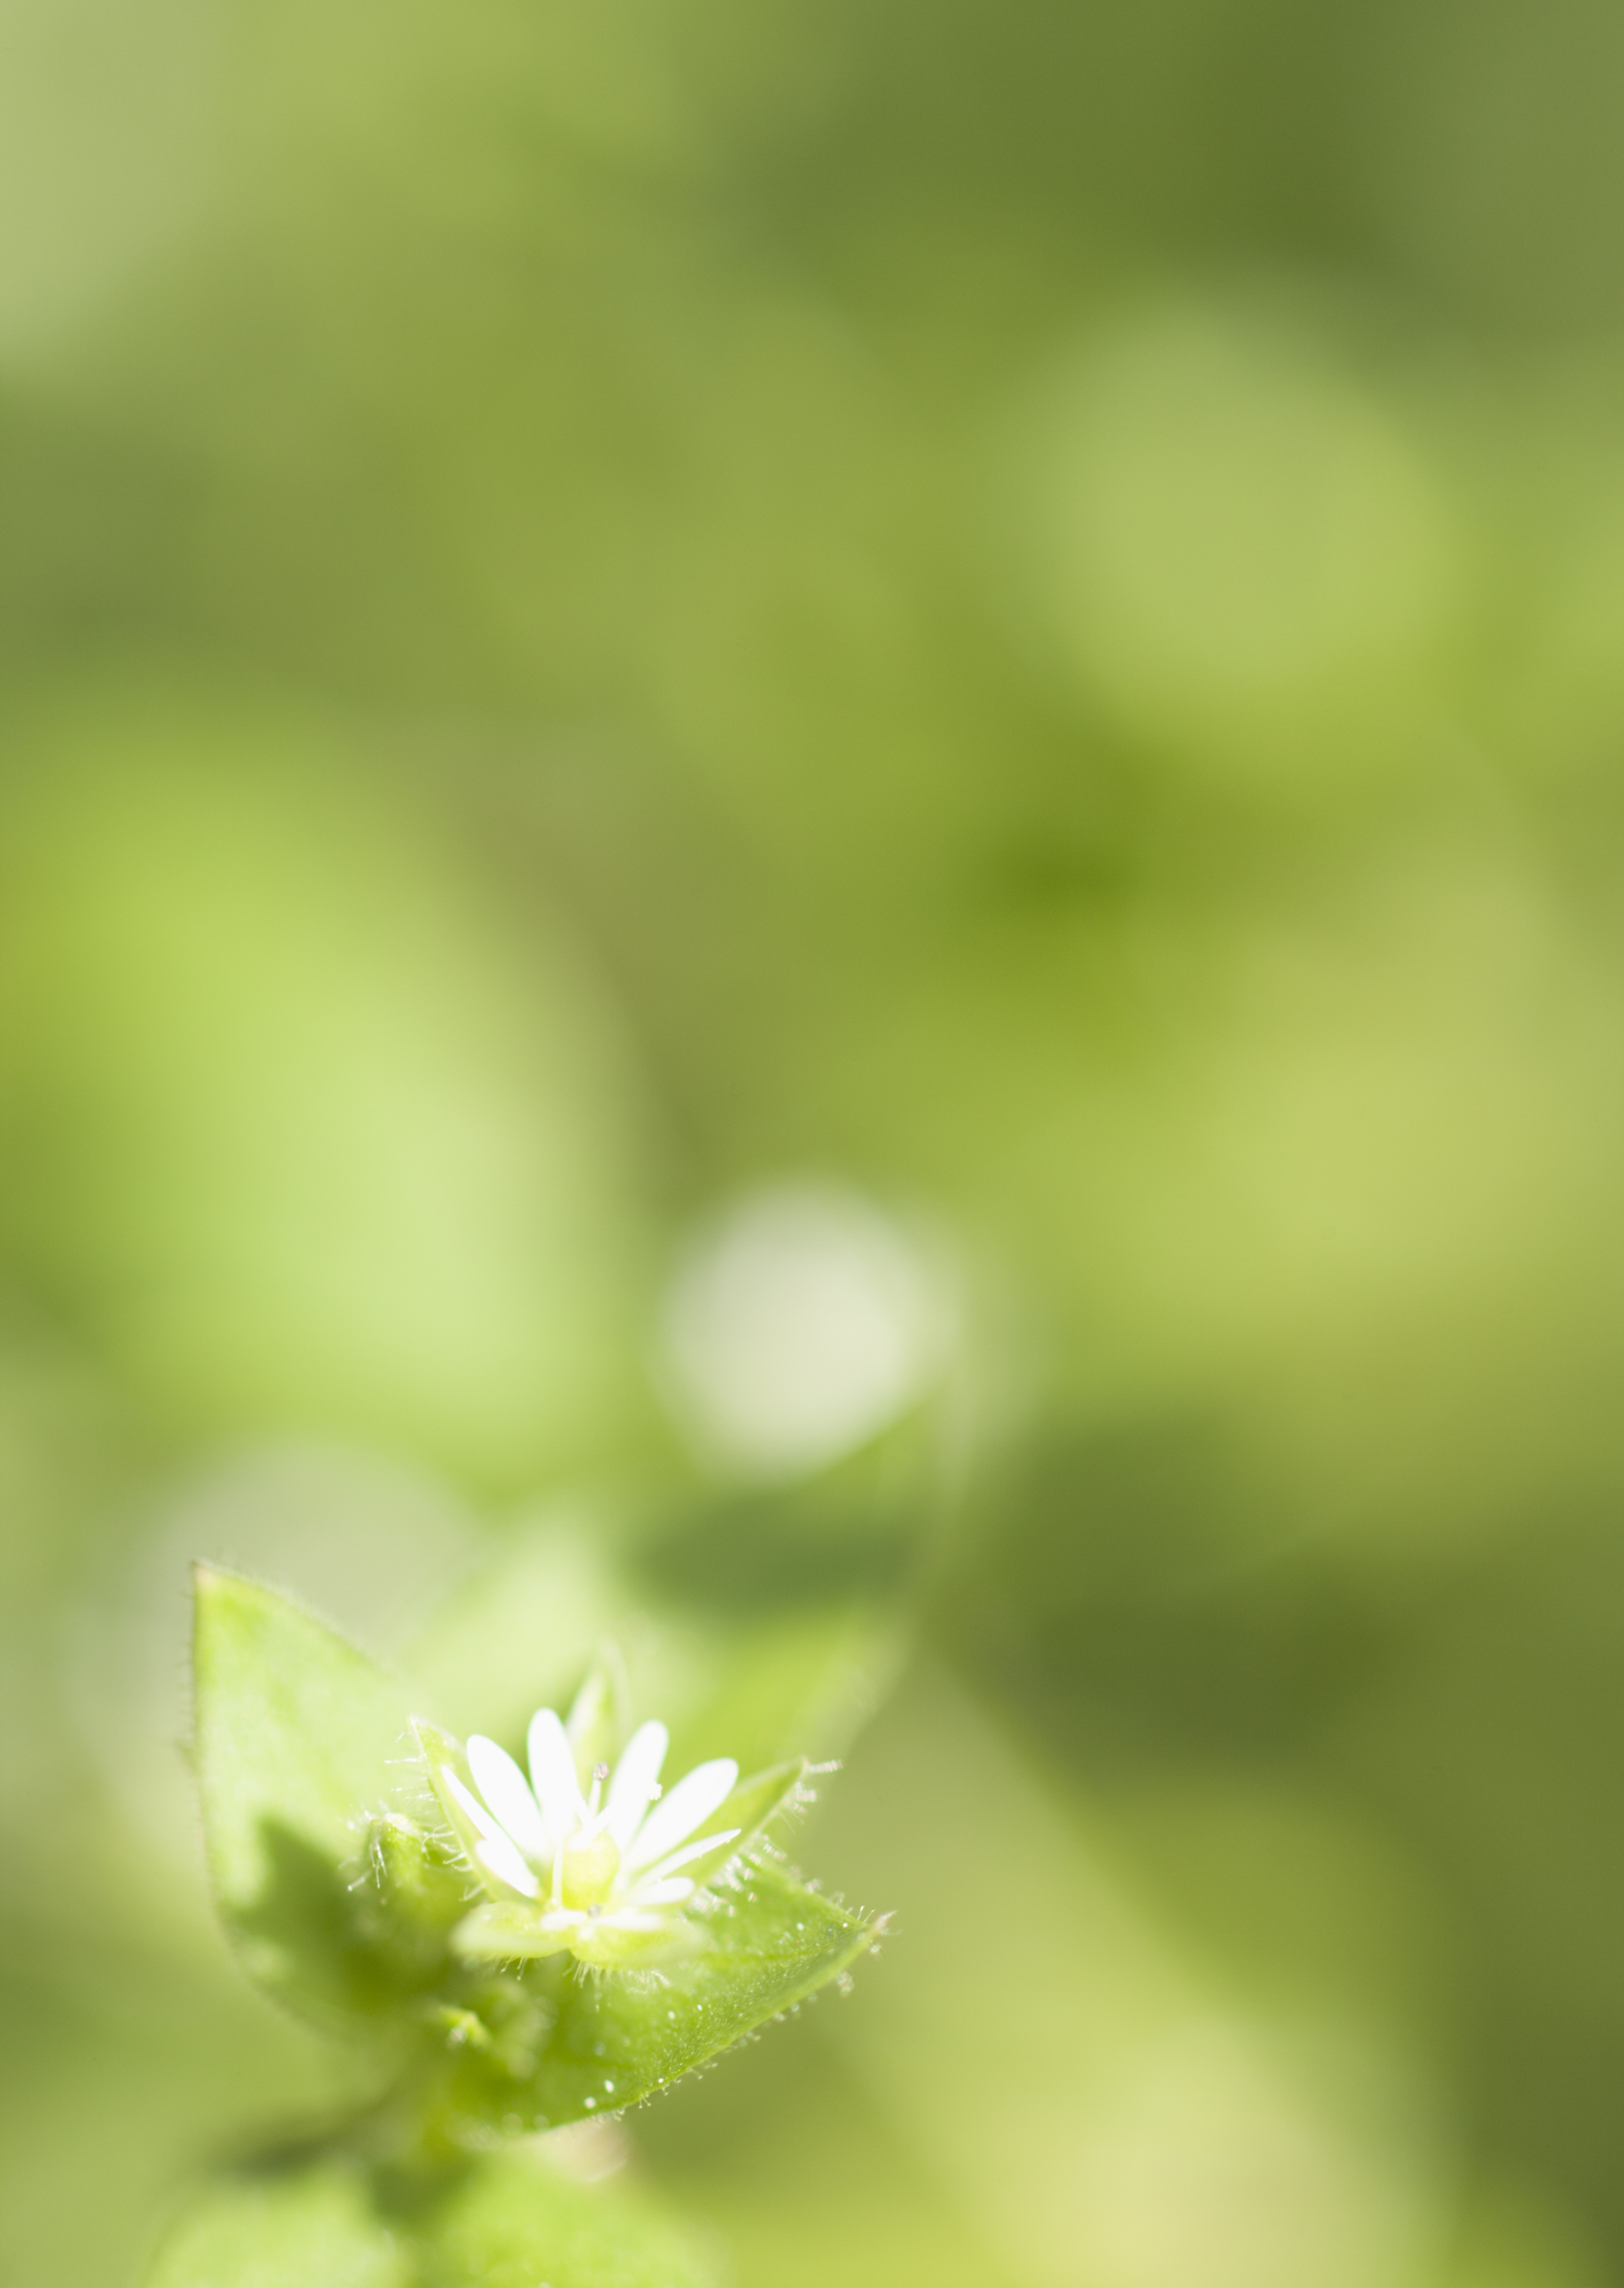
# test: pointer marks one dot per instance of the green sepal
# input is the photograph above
(599, 1720)
(415, 1876)
(603, 1947)
(506, 1931)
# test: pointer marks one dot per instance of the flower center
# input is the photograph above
(588, 1864)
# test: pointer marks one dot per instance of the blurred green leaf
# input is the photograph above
(513, 2221)
(295, 2231)
(505, 2222)
(518, 1633)
(372, 1170)
(759, 1684)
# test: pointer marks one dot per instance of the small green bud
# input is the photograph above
(462, 2029)
(412, 1876)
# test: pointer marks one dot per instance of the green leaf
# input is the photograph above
(315, 2228)
(508, 2220)
(768, 1944)
(518, 2220)
(299, 1738)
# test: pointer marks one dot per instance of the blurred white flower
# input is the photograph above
(799, 1326)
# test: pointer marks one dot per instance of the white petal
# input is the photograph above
(678, 1813)
(665, 1892)
(471, 1804)
(552, 1774)
(630, 1919)
(501, 1857)
(668, 1866)
(634, 1780)
(495, 1850)
(507, 1792)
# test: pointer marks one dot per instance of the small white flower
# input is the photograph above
(599, 1870)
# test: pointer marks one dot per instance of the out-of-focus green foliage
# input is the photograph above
(362, 1173)
(493, 2227)
(627, 632)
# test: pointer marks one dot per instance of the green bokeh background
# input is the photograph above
(1020, 608)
